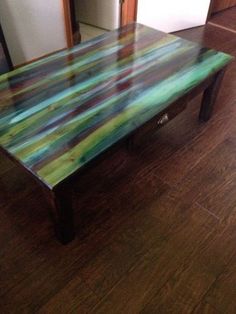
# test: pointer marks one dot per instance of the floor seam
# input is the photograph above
(208, 211)
(222, 27)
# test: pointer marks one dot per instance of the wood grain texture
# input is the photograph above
(160, 262)
(75, 298)
(226, 19)
(180, 294)
(205, 308)
(226, 282)
(155, 245)
(217, 178)
(219, 5)
(128, 11)
(66, 11)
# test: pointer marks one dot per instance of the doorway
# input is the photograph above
(85, 19)
(80, 28)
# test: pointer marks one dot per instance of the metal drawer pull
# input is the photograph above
(164, 119)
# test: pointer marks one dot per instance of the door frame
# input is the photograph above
(128, 14)
(66, 8)
(128, 11)
(5, 49)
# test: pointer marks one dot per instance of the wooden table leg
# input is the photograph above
(63, 216)
(210, 95)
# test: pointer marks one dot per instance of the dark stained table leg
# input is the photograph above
(210, 95)
(63, 216)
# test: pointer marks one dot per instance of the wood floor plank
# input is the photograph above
(183, 292)
(223, 293)
(160, 263)
(220, 249)
(226, 18)
(134, 238)
(15, 182)
(75, 298)
(44, 258)
(129, 245)
(5, 163)
(212, 183)
(205, 308)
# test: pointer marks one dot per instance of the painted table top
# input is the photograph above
(59, 113)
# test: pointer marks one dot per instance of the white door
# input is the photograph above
(172, 15)
(101, 13)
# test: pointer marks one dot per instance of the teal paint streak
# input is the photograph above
(54, 136)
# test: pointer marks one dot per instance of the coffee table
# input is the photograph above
(59, 114)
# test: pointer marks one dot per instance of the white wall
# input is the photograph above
(101, 13)
(172, 15)
(32, 28)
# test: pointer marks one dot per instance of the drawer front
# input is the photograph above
(157, 122)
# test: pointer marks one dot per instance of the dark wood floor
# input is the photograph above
(156, 226)
(226, 18)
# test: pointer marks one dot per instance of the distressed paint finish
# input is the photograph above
(59, 113)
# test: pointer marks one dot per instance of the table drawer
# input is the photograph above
(157, 122)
